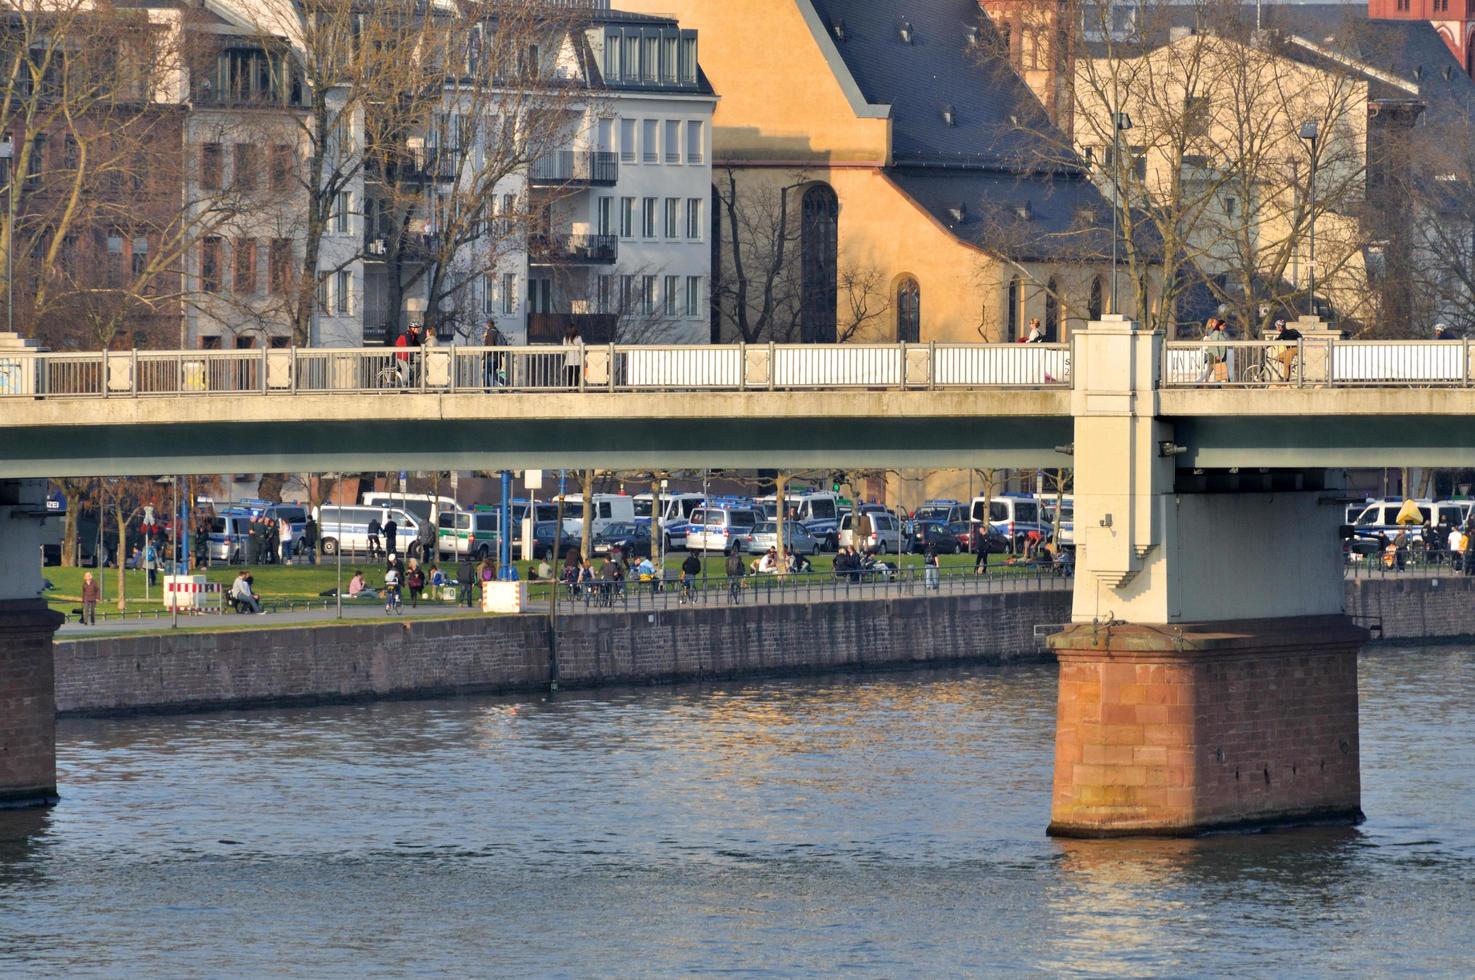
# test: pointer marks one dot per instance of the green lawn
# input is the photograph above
(288, 583)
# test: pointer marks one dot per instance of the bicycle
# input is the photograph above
(1273, 368)
(391, 600)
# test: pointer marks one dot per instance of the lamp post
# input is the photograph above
(7, 153)
(1119, 121)
(1309, 134)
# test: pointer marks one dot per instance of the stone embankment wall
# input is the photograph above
(1415, 609)
(416, 658)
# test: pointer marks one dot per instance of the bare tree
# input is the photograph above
(758, 290)
(865, 300)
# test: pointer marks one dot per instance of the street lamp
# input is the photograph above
(1120, 122)
(1309, 134)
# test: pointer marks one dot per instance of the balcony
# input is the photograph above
(573, 249)
(593, 328)
(576, 168)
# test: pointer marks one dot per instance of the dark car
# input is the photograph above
(543, 543)
(941, 536)
(631, 540)
(962, 532)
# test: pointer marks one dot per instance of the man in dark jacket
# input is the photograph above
(375, 548)
(735, 573)
(466, 581)
(391, 529)
(310, 540)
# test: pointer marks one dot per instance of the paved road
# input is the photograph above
(763, 591)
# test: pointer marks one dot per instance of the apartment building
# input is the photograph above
(615, 225)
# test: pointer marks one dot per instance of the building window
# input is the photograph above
(630, 58)
(612, 57)
(909, 311)
(247, 167)
(210, 157)
(324, 304)
(673, 141)
(627, 217)
(672, 295)
(673, 217)
(627, 297)
(695, 142)
(668, 60)
(245, 266)
(647, 295)
(627, 141)
(115, 259)
(281, 166)
(1093, 305)
(140, 255)
(1016, 296)
(606, 215)
(694, 218)
(280, 265)
(649, 135)
(605, 295)
(605, 136)
(649, 58)
(210, 264)
(689, 60)
(509, 292)
(819, 250)
(648, 215)
(488, 300)
(342, 205)
(693, 296)
(1052, 311)
(343, 301)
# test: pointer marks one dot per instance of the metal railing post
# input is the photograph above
(133, 373)
(772, 363)
(294, 369)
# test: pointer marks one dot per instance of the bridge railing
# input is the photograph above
(590, 368)
(1318, 362)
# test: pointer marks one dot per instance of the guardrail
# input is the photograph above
(1319, 363)
(585, 368)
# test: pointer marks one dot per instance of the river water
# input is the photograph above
(885, 824)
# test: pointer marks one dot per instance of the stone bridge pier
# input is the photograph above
(27, 687)
(1209, 678)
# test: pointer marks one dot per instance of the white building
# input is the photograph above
(619, 247)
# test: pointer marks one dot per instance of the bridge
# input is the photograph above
(1209, 677)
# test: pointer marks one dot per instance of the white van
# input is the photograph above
(721, 529)
(884, 536)
(418, 504)
(1013, 515)
(1381, 516)
(608, 508)
(348, 527)
(818, 512)
(676, 511)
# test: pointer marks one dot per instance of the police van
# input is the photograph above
(721, 529)
(819, 513)
(676, 510)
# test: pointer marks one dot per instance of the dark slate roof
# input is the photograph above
(999, 160)
(935, 70)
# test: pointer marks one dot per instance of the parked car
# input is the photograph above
(940, 535)
(544, 545)
(995, 543)
(1014, 515)
(884, 536)
(296, 517)
(630, 539)
(800, 541)
(1067, 519)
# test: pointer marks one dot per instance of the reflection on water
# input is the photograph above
(879, 824)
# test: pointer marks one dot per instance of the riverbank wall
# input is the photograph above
(427, 658)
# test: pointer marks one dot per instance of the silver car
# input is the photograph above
(765, 536)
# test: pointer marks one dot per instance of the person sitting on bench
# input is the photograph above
(242, 596)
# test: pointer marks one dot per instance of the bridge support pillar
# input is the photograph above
(1209, 680)
(27, 682)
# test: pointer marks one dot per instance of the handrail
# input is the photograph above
(1319, 362)
(604, 368)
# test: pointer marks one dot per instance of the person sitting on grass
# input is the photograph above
(356, 585)
(437, 577)
(240, 592)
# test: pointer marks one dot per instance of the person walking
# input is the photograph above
(415, 582)
(573, 357)
(1036, 333)
(465, 581)
(735, 571)
(391, 531)
(284, 535)
(980, 550)
(202, 545)
(931, 569)
(151, 561)
(1216, 353)
(376, 550)
(690, 569)
(91, 596)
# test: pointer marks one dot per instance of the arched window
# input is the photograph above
(1016, 294)
(1052, 311)
(908, 311)
(1093, 308)
(819, 249)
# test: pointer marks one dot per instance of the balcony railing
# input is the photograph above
(576, 168)
(573, 249)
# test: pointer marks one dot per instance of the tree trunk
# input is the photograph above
(69, 529)
(587, 532)
(122, 555)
